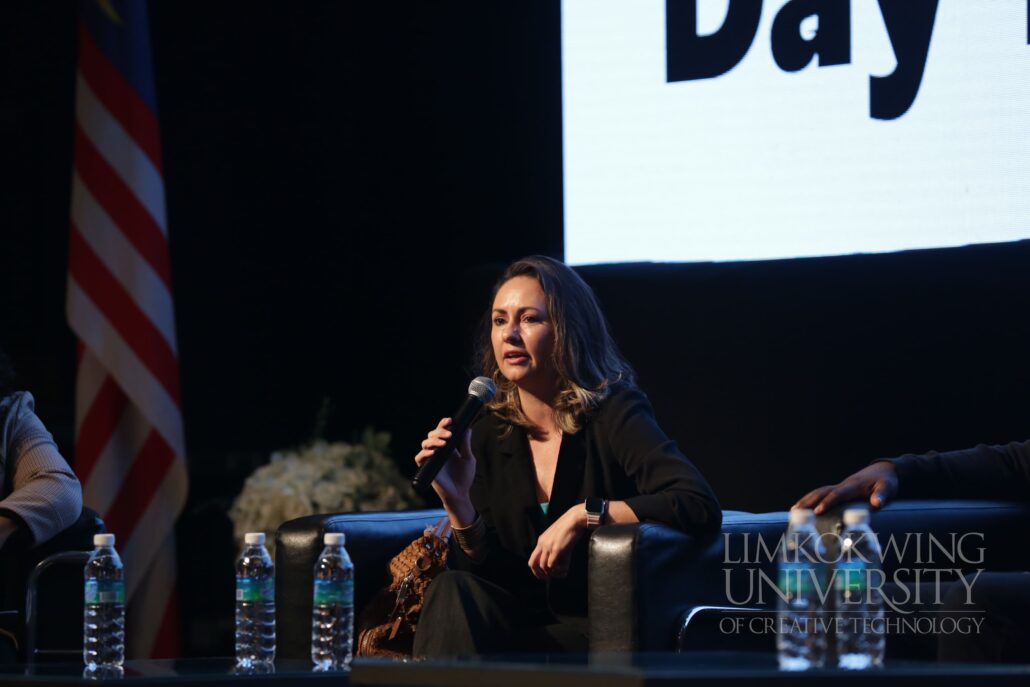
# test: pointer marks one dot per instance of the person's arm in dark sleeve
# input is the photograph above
(671, 490)
(984, 472)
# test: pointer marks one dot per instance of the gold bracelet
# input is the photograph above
(472, 537)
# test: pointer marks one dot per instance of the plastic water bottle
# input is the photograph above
(332, 617)
(255, 604)
(801, 616)
(859, 604)
(103, 623)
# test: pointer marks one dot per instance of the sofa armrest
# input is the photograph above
(372, 540)
(640, 583)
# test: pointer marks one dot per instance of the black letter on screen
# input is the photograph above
(832, 40)
(909, 26)
(689, 56)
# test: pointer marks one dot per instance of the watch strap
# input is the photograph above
(596, 509)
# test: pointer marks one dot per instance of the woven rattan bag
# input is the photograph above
(387, 625)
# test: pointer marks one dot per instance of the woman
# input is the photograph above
(569, 443)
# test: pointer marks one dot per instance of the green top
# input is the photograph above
(544, 505)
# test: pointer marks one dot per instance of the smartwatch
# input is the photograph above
(596, 508)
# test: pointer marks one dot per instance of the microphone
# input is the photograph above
(481, 390)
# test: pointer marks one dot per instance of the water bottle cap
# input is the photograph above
(802, 516)
(855, 516)
(256, 538)
(334, 538)
(103, 540)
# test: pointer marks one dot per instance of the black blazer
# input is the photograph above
(619, 454)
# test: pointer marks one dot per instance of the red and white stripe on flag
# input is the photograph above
(129, 445)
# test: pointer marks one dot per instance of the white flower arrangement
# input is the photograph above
(321, 477)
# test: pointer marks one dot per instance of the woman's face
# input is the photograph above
(523, 334)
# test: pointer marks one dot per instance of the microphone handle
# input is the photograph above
(423, 479)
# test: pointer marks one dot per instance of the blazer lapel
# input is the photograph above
(520, 475)
(568, 475)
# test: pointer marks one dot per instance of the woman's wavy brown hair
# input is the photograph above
(585, 356)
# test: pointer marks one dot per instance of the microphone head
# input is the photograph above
(483, 388)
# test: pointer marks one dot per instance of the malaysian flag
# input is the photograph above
(129, 446)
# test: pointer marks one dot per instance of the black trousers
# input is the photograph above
(1002, 601)
(465, 615)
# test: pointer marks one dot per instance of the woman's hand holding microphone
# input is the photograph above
(454, 480)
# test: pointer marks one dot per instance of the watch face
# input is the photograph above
(594, 504)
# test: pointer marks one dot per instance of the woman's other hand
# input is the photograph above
(550, 559)
(877, 482)
(454, 480)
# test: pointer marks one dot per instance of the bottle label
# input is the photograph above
(252, 590)
(334, 593)
(105, 592)
(798, 578)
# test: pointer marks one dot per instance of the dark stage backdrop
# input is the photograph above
(345, 181)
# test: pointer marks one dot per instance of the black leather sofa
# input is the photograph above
(654, 588)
